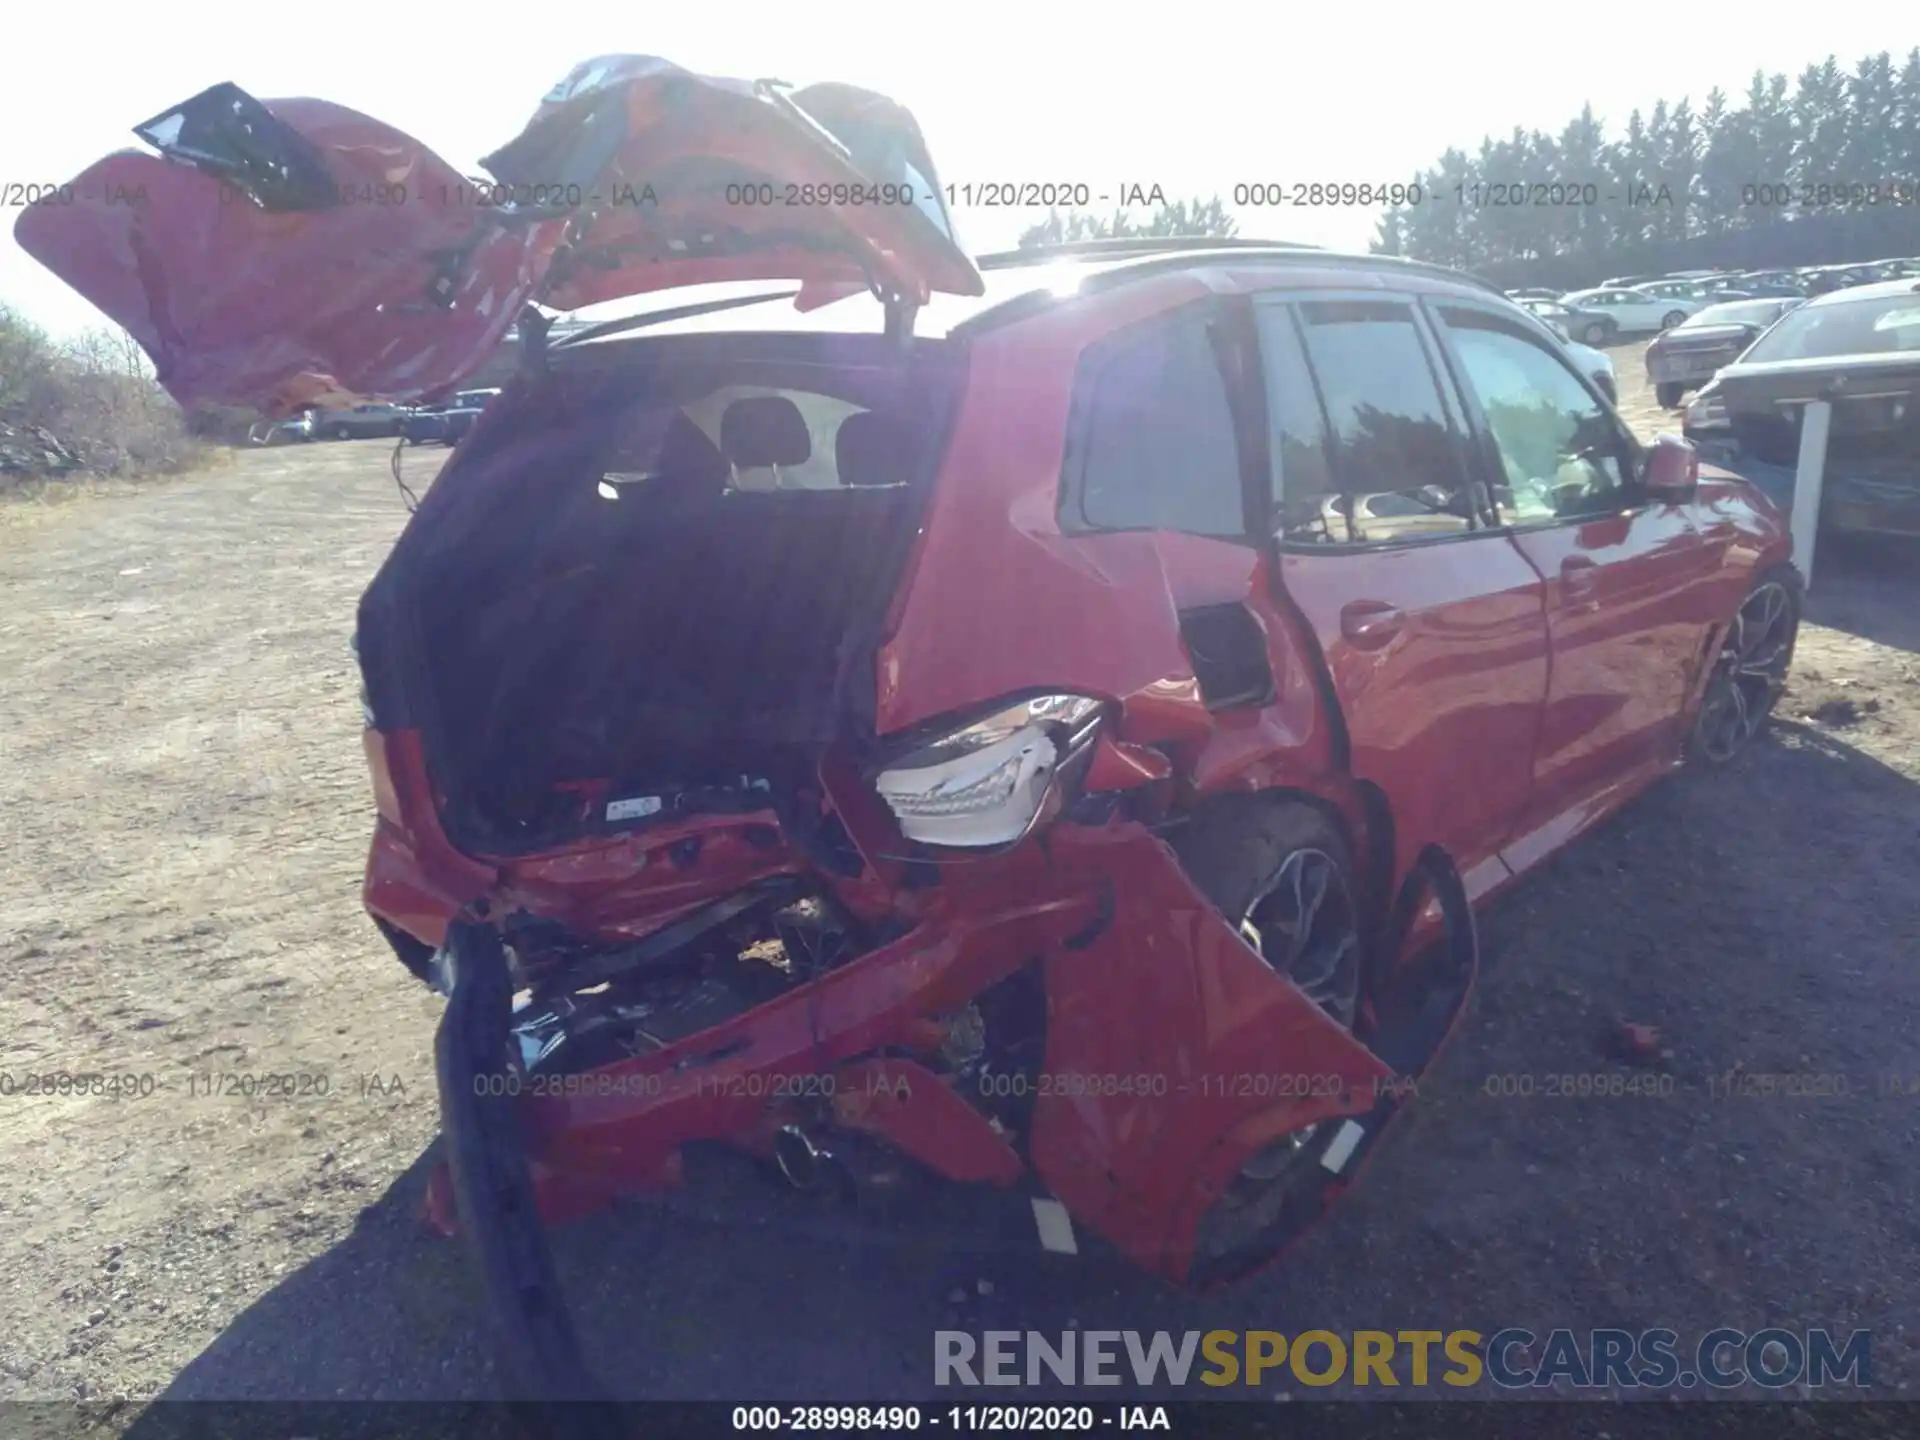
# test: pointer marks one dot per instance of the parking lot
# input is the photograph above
(187, 815)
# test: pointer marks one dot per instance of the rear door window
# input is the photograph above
(1308, 505)
(1152, 443)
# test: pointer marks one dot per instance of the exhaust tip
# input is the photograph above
(799, 1159)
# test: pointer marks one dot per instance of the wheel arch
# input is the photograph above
(1361, 812)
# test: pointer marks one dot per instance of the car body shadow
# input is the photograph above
(1868, 586)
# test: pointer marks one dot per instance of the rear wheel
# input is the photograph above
(1668, 396)
(1751, 668)
(1594, 334)
(1280, 872)
(1672, 318)
(341, 432)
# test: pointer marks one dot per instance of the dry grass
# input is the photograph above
(83, 410)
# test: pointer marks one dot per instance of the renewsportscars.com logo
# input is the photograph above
(1513, 1359)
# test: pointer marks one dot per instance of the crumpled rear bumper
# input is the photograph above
(1173, 1054)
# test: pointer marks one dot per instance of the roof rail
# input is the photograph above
(1155, 262)
(1122, 246)
(1156, 254)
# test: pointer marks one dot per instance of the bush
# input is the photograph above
(89, 406)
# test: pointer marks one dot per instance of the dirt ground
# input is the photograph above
(186, 813)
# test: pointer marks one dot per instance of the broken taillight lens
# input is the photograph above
(984, 783)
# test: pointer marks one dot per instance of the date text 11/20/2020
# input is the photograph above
(960, 1419)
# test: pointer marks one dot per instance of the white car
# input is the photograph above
(1635, 310)
(1596, 365)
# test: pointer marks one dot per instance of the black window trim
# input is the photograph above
(1216, 314)
(1483, 524)
(1486, 450)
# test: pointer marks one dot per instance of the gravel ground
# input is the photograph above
(187, 814)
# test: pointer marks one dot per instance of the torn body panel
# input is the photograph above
(1156, 1013)
(294, 252)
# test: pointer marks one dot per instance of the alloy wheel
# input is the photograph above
(1749, 673)
(1304, 925)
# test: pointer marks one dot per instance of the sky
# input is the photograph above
(1183, 98)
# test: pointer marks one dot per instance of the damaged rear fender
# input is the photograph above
(1161, 1029)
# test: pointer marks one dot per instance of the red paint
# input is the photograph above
(241, 306)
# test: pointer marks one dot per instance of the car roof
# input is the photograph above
(1880, 290)
(1017, 283)
(1720, 307)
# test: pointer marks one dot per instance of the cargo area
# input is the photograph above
(662, 590)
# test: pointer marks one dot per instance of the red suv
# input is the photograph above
(1042, 725)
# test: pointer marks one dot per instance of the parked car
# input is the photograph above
(1627, 282)
(361, 422)
(1596, 365)
(693, 721)
(1535, 294)
(1751, 279)
(1858, 347)
(1693, 287)
(1589, 325)
(1829, 278)
(1633, 311)
(1687, 356)
(296, 431)
(446, 424)
(1775, 285)
(465, 409)
(424, 425)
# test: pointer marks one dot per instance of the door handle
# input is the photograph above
(1578, 574)
(1369, 624)
(1578, 578)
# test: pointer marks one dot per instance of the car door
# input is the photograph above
(1638, 310)
(1610, 303)
(1629, 584)
(1430, 620)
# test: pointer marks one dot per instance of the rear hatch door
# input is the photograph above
(291, 252)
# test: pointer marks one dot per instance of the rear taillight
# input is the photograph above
(984, 783)
(386, 799)
(366, 699)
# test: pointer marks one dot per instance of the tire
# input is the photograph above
(1239, 852)
(1672, 318)
(341, 432)
(1235, 847)
(1669, 395)
(1594, 334)
(1755, 656)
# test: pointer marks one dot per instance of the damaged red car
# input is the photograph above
(1040, 724)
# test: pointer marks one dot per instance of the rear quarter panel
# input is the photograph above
(997, 600)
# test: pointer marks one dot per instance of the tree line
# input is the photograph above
(1833, 140)
(1793, 172)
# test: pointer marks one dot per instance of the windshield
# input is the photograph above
(1885, 325)
(1757, 312)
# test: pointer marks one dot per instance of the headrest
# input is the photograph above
(872, 449)
(764, 430)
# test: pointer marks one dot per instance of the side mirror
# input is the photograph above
(1671, 473)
